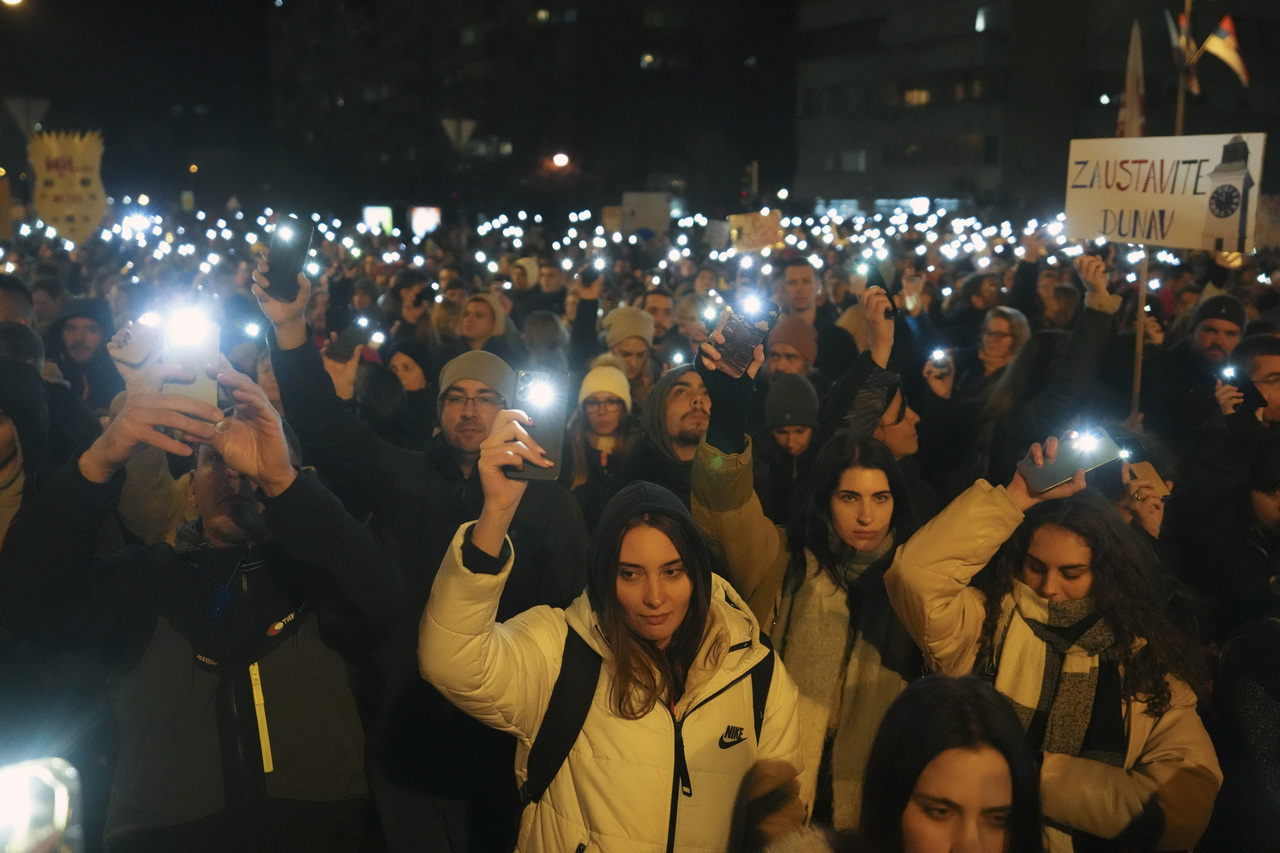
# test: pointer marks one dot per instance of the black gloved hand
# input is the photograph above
(730, 405)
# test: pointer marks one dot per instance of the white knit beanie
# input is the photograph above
(606, 378)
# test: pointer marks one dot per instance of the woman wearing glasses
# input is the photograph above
(600, 434)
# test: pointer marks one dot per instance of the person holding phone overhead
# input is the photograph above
(676, 717)
(441, 781)
(1069, 625)
(817, 586)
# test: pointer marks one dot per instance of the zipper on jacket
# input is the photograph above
(676, 781)
(680, 781)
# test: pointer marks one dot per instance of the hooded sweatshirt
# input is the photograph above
(96, 381)
(653, 456)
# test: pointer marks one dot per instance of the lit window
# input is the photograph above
(853, 160)
(916, 97)
(544, 15)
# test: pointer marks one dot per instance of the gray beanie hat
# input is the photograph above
(483, 367)
(791, 401)
(627, 322)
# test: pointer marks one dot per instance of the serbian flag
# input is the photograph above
(1133, 111)
(1222, 44)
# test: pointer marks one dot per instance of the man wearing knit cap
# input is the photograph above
(628, 332)
(798, 293)
(673, 423)
(1179, 396)
(78, 345)
(441, 780)
(483, 327)
(792, 347)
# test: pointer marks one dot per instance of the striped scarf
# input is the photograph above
(1056, 669)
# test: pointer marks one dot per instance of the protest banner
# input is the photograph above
(68, 187)
(752, 232)
(1180, 192)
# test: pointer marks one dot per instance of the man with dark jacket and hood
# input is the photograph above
(672, 423)
(442, 781)
(237, 719)
(78, 345)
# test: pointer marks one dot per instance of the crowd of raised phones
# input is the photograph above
(804, 598)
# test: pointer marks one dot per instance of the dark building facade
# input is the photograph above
(427, 102)
(979, 100)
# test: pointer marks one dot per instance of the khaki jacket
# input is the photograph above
(1169, 758)
(618, 789)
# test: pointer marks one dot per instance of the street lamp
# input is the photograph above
(559, 160)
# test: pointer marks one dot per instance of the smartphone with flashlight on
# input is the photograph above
(544, 397)
(191, 340)
(1077, 451)
(290, 248)
(743, 331)
(1253, 399)
(938, 358)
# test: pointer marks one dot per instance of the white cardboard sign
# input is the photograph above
(1180, 192)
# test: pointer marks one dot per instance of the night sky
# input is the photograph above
(106, 64)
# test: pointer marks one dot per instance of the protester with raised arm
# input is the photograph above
(817, 586)
(671, 732)
(441, 781)
(225, 642)
(1068, 623)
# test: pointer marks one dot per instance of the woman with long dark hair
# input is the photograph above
(1068, 623)
(670, 730)
(817, 586)
(951, 769)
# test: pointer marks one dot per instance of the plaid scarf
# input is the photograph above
(1055, 667)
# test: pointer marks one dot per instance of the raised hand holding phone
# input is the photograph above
(289, 318)
(509, 445)
(1024, 496)
(251, 441)
(147, 413)
(940, 374)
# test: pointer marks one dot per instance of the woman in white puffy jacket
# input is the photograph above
(671, 733)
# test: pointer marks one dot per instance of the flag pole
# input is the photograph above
(1140, 325)
(1185, 36)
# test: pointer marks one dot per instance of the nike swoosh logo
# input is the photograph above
(726, 742)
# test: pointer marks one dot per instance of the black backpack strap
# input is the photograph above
(761, 678)
(566, 712)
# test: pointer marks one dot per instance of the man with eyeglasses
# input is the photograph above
(441, 781)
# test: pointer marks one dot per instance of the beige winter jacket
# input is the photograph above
(1169, 757)
(618, 789)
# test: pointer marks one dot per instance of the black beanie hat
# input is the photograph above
(1222, 307)
(791, 401)
(636, 498)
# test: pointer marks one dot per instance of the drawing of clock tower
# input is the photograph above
(1226, 223)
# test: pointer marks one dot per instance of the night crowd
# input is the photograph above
(807, 600)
